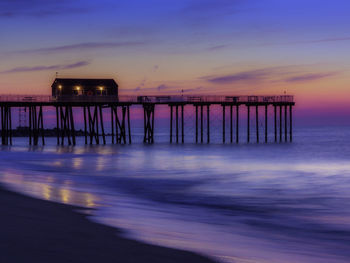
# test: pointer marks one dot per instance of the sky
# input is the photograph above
(241, 47)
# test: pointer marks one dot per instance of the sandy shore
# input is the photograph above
(33, 230)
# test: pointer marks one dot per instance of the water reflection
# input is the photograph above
(49, 190)
(245, 203)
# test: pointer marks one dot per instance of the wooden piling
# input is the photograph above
(257, 122)
(177, 123)
(208, 123)
(280, 123)
(42, 125)
(102, 126)
(285, 124)
(201, 123)
(275, 118)
(231, 125)
(248, 124)
(129, 127)
(266, 124)
(182, 124)
(171, 123)
(58, 124)
(223, 123)
(112, 123)
(290, 124)
(196, 123)
(237, 123)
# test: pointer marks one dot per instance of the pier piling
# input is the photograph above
(149, 123)
(94, 119)
(248, 124)
(257, 122)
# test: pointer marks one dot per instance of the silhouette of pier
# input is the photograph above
(120, 117)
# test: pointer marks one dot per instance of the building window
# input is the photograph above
(78, 90)
(101, 91)
(59, 90)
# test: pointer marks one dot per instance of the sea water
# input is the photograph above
(274, 202)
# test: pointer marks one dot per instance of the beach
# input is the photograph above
(34, 230)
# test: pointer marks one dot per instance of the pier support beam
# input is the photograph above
(248, 124)
(102, 126)
(231, 124)
(201, 123)
(6, 125)
(265, 123)
(36, 125)
(257, 122)
(275, 118)
(177, 106)
(208, 123)
(120, 115)
(290, 123)
(285, 124)
(182, 124)
(148, 109)
(171, 123)
(223, 123)
(85, 125)
(237, 123)
(280, 123)
(177, 123)
(65, 125)
(196, 123)
(93, 124)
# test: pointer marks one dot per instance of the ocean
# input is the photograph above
(274, 202)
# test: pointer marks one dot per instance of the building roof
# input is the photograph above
(86, 82)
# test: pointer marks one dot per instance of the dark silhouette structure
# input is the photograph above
(119, 108)
(63, 87)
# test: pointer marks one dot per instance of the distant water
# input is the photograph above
(285, 202)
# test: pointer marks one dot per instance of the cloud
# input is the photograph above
(44, 68)
(163, 87)
(245, 76)
(316, 41)
(310, 77)
(329, 40)
(82, 46)
(272, 74)
(217, 47)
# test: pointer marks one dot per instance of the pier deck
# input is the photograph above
(120, 116)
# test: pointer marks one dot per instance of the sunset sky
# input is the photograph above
(199, 46)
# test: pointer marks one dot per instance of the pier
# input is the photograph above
(120, 117)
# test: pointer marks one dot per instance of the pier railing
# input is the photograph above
(94, 107)
(150, 99)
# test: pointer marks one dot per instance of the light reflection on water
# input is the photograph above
(48, 190)
(246, 203)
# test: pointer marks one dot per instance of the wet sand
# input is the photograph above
(33, 230)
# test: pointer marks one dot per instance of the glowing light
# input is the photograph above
(78, 87)
(47, 191)
(65, 195)
(101, 88)
(60, 86)
(90, 200)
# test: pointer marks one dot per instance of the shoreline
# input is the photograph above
(35, 230)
